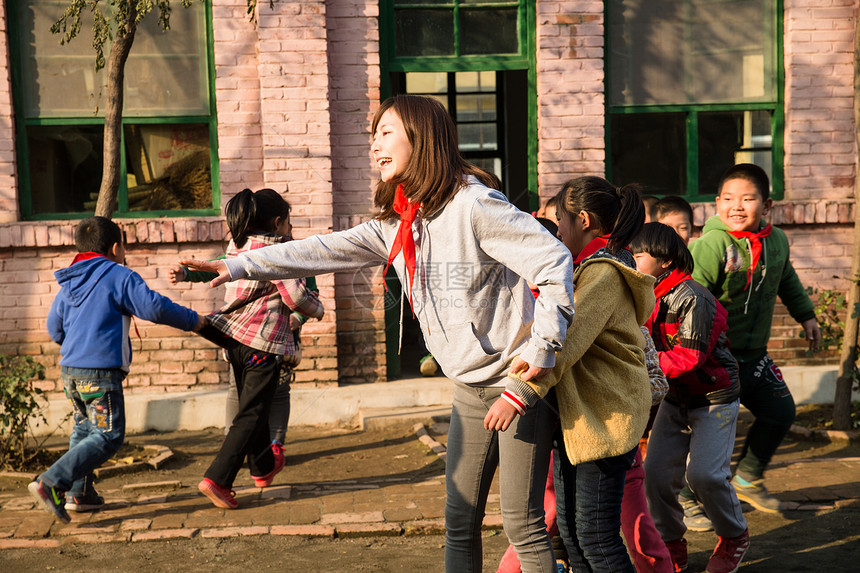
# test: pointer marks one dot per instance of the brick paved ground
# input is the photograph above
(808, 476)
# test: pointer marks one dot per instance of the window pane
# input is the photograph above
(476, 81)
(476, 107)
(424, 32)
(728, 138)
(65, 167)
(668, 51)
(488, 31)
(477, 136)
(491, 164)
(168, 167)
(166, 72)
(426, 82)
(649, 149)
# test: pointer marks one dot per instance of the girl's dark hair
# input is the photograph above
(250, 211)
(436, 170)
(97, 235)
(662, 242)
(618, 211)
(748, 172)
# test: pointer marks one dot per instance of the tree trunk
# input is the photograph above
(120, 49)
(848, 357)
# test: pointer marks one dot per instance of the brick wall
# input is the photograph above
(8, 174)
(819, 96)
(353, 34)
(569, 92)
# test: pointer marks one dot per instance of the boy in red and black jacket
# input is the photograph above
(698, 417)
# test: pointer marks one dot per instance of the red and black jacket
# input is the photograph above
(689, 328)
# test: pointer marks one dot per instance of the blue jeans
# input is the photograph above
(99, 413)
(522, 455)
(589, 498)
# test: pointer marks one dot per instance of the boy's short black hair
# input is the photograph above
(662, 242)
(672, 204)
(748, 172)
(548, 225)
(650, 201)
(97, 235)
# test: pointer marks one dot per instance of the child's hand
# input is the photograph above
(526, 371)
(813, 333)
(201, 322)
(500, 416)
(219, 267)
(295, 323)
(177, 274)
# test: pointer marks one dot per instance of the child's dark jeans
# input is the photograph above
(99, 413)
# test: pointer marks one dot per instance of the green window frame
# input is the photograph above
(683, 124)
(523, 58)
(27, 124)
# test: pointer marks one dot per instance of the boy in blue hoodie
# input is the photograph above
(90, 319)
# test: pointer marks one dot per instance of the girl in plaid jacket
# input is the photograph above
(256, 331)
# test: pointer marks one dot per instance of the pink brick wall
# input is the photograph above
(8, 174)
(295, 93)
(353, 34)
(820, 154)
(570, 94)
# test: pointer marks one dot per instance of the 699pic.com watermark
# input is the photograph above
(443, 285)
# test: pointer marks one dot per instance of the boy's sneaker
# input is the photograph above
(729, 553)
(86, 502)
(50, 498)
(428, 366)
(220, 496)
(694, 515)
(266, 480)
(678, 553)
(755, 494)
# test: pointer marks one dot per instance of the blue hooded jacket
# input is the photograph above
(91, 314)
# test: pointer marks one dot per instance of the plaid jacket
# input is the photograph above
(257, 313)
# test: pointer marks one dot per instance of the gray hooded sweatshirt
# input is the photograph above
(469, 294)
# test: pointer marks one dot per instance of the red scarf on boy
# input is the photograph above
(755, 247)
(674, 278)
(403, 240)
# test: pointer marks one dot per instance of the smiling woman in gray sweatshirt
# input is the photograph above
(465, 254)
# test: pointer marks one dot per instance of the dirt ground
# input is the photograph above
(798, 541)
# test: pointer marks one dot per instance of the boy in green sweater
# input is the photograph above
(745, 264)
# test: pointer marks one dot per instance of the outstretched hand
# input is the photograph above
(219, 267)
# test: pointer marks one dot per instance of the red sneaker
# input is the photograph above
(220, 496)
(266, 480)
(728, 554)
(678, 553)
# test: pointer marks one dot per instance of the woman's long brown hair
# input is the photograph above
(436, 170)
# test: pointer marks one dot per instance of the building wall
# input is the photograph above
(296, 91)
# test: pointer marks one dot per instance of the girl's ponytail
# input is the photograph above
(630, 218)
(240, 212)
(616, 211)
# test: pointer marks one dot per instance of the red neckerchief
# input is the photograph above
(673, 279)
(403, 240)
(595, 245)
(85, 257)
(755, 247)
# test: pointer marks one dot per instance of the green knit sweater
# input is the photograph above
(721, 265)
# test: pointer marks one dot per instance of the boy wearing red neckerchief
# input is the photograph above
(745, 264)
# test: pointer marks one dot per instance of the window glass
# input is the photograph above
(65, 167)
(168, 167)
(728, 138)
(705, 51)
(165, 73)
(488, 31)
(424, 32)
(649, 149)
